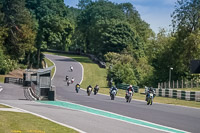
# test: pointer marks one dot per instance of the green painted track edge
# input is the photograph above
(111, 115)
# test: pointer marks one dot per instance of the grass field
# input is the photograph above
(94, 75)
(12, 122)
(49, 64)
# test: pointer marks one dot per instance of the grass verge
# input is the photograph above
(1, 78)
(12, 122)
(94, 75)
(3, 106)
(49, 64)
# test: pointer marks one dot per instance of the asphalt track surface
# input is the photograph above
(183, 118)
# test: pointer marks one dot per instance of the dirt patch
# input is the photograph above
(16, 73)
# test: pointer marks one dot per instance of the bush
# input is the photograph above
(122, 73)
(6, 65)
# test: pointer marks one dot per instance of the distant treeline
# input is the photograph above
(114, 33)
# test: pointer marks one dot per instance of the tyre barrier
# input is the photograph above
(179, 94)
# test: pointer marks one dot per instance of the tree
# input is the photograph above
(83, 3)
(96, 18)
(58, 29)
(21, 34)
(3, 29)
(133, 18)
(186, 22)
(186, 15)
(124, 68)
(116, 38)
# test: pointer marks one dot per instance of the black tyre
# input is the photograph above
(89, 93)
(112, 97)
(148, 101)
(151, 102)
(129, 100)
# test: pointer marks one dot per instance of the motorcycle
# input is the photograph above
(96, 90)
(66, 78)
(77, 88)
(129, 96)
(89, 90)
(68, 82)
(150, 99)
(112, 94)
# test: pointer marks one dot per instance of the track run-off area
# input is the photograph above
(97, 113)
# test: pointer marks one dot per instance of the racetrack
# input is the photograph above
(183, 118)
(178, 117)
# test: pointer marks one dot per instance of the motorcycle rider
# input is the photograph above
(71, 68)
(113, 88)
(89, 88)
(129, 88)
(150, 90)
(72, 80)
(77, 86)
(68, 82)
(67, 78)
(96, 88)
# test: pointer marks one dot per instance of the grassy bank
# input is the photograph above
(12, 122)
(1, 78)
(94, 75)
(49, 64)
(3, 106)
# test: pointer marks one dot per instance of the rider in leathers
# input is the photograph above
(129, 88)
(150, 90)
(113, 88)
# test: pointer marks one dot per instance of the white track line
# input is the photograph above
(1, 88)
(54, 66)
(65, 125)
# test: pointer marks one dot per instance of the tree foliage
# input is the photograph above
(21, 35)
(186, 22)
(113, 32)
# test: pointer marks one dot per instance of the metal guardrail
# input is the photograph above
(13, 80)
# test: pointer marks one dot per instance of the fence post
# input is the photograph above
(177, 84)
(173, 84)
(186, 82)
(165, 85)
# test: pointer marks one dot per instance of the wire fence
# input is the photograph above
(179, 84)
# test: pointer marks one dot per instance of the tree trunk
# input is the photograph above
(38, 59)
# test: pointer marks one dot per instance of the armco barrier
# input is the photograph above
(13, 80)
(184, 95)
